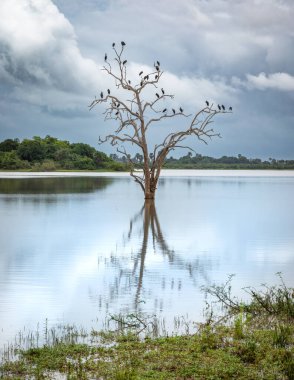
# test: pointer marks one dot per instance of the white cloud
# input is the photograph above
(190, 90)
(39, 48)
(52, 52)
(194, 90)
(207, 37)
(278, 81)
(30, 24)
(43, 61)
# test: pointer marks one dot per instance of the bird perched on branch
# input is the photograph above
(105, 57)
(158, 63)
(129, 81)
(123, 43)
(223, 107)
(164, 110)
(219, 107)
(108, 91)
(174, 111)
(207, 103)
(101, 95)
(124, 62)
(157, 95)
(181, 110)
(157, 68)
(162, 90)
(113, 44)
(140, 73)
(230, 109)
(156, 76)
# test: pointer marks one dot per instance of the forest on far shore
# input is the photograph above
(50, 154)
(197, 161)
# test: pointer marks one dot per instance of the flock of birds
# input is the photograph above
(221, 108)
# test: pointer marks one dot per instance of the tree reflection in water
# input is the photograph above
(150, 222)
(130, 269)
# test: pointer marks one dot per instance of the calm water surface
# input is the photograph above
(76, 249)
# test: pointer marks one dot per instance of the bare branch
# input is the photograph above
(154, 120)
(131, 116)
(138, 179)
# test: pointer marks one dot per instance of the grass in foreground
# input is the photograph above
(248, 341)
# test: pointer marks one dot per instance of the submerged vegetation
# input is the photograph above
(248, 340)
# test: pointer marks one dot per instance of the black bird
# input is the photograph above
(117, 105)
(157, 95)
(181, 109)
(123, 43)
(129, 81)
(147, 77)
(113, 44)
(141, 72)
(223, 107)
(158, 63)
(141, 83)
(164, 110)
(108, 92)
(219, 107)
(162, 90)
(101, 94)
(117, 113)
(105, 57)
(207, 103)
(230, 109)
(124, 62)
(174, 111)
(157, 68)
(156, 76)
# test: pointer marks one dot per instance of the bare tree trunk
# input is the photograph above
(150, 184)
(150, 189)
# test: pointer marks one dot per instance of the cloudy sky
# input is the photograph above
(232, 52)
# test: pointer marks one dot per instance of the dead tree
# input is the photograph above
(136, 115)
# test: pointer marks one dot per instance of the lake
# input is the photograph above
(77, 248)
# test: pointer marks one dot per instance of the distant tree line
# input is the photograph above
(198, 161)
(49, 154)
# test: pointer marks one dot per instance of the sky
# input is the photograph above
(239, 53)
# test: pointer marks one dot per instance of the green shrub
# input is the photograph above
(31, 150)
(9, 145)
(10, 161)
(84, 163)
(239, 327)
(116, 166)
(48, 166)
(281, 335)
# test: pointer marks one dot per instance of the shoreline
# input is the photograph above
(164, 173)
